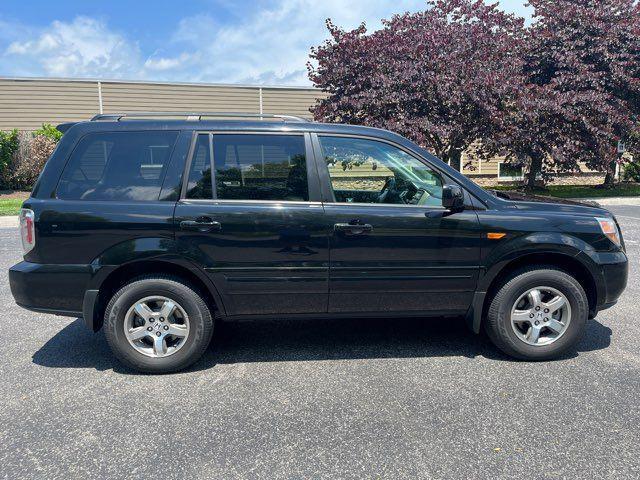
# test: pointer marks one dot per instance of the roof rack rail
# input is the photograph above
(193, 116)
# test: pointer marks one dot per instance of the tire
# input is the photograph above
(516, 298)
(190, 320)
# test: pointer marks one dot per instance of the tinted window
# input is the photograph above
(172, 185)
(199, 186)
(260, 167)
(368, 171)
(117, 166)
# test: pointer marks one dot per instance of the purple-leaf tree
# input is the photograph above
(445, 77)
(582, 90)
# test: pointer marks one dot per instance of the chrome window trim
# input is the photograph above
(257, 202)
(385, 205)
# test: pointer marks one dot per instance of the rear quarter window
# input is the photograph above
(117, 166)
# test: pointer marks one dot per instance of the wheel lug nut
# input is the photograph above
(531, 315)
(151, 320)
(149, 329)
(537, 322)
(546, 310)
(166, 327)
(537, 308)
(162, 319)
(158, 334)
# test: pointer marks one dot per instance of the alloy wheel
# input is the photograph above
(156, 326)
(540, 316)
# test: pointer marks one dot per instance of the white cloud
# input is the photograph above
(80, 48)
(266, 43)
(158, 63)
(271, 44)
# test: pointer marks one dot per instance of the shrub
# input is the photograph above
(9, 145)
(631, 172)
(27, 161)
(49, 131)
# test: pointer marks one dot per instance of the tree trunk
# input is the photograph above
(609, 178)
(455, 157)
(534, 169)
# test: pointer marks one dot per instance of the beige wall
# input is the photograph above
(289, 101)
(474, 166)
(27, 103)
(145, 97)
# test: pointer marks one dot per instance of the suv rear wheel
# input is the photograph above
(537, 314)
(158, 324)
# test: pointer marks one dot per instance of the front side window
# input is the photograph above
(369, 171)
(117, 166)
(260, 167)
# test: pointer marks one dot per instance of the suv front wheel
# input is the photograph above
(538, 313)
(158, 324)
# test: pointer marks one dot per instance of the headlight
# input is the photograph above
(610, 229)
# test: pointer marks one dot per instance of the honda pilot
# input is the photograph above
(156, 227)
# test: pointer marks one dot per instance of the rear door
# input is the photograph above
(251, 216)
(391, 249)
(109, 193)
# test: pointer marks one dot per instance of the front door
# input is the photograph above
(391, 249)
(257, 227)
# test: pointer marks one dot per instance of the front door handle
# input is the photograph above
(202, 224)
(353, 228)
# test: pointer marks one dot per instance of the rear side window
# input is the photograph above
(113, 166)
(260, 167)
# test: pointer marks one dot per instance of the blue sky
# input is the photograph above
(218, 41)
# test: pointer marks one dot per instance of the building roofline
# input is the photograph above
(155, 82)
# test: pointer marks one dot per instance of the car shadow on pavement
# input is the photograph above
(307, 340)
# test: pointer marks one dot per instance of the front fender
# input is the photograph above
(536, 243)
(509, 250)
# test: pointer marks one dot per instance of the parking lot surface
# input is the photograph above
(322, 399)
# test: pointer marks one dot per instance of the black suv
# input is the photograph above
(154, 228)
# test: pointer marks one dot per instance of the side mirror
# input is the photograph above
(453, 198)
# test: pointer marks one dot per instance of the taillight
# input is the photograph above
(27, 230)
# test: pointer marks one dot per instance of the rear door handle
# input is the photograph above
(353, 228)
(203, 224)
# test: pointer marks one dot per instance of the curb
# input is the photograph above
(613, 200)
(10, 221)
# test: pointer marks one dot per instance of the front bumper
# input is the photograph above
(614, 273)
(57, 289)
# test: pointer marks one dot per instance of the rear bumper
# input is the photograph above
(57, 289)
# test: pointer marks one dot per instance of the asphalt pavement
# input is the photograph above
(322, 399)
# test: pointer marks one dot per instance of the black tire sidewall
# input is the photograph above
(200, 325)
(500, 324)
